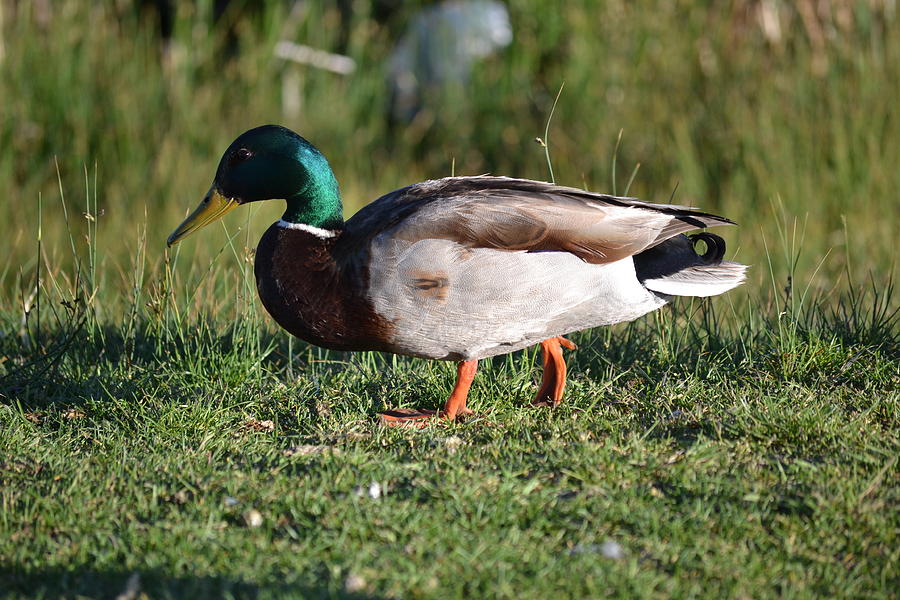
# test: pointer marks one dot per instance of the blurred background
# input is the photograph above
(780, 115)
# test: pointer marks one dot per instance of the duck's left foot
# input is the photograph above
(406, 417)
(554, 379)
(454, 407)
(419, 418)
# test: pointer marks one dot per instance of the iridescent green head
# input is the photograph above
(271, 162)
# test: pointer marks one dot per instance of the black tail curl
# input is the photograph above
(679, 253)
(715, 247)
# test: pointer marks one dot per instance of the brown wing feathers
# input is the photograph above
(525, 215)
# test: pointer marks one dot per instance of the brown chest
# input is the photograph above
(315, 298)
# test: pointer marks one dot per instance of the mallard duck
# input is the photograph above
(459, 268)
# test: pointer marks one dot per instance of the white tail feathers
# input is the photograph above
(700, 280)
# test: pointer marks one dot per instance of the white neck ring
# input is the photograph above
(316, 231)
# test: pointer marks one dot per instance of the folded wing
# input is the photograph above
(523, 215)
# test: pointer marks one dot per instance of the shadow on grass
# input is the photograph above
(78, 362)
(74, 366)
(81, 581)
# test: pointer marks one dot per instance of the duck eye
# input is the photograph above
(243, 154)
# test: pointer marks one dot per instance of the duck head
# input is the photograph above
(270, 162)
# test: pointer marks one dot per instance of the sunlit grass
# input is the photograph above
(739, 447)
(714, 104)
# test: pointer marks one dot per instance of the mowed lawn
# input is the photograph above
(161, 438)
(197, 465)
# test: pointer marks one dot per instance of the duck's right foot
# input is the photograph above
(553, 381)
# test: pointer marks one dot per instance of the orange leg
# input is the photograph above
(554, 379)
(455, 405)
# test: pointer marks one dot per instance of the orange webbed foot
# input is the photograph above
(553, 381)
(419, 418)
(454, 408)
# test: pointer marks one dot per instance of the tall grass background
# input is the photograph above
(781, 116)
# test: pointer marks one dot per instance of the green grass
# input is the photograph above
(722, 467)
(151, 413)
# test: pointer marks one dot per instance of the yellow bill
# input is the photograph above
(212, 208)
